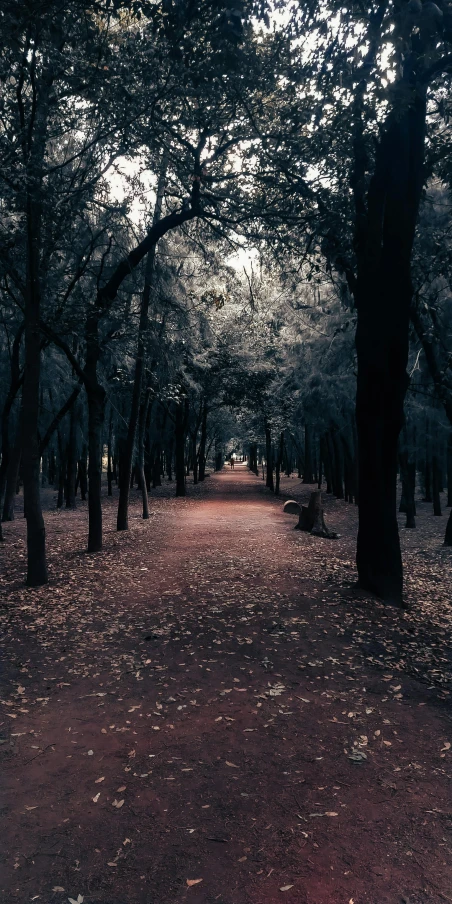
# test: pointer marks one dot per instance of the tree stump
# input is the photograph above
(311, 516)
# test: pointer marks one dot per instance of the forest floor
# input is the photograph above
(208, 711)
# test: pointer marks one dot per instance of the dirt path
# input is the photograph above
(194, 705)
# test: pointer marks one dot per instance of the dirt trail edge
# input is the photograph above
(191, 717)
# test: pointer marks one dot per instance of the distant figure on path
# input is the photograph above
(231, 461)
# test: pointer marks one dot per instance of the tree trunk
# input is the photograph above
(110, 455)
(307, 475)
(180, 449)
(156, 466)
(408, 475)
(449, 470)
(448, 537)
(436, 481)
(384, 234)
(71, 457)
(12, 473)
(202, 443)
(279, 462)
(269, 456)
(36, 553)
(349, 467)
(16, 382)
(124, 487)
(194, 457)
(83, 476)
(338, 472)
(96, 404)
(326, 456)
(52, 467)
(142, 423)
(61, 470)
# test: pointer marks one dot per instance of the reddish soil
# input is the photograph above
(210, 699)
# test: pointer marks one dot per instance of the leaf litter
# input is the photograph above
(328, 648)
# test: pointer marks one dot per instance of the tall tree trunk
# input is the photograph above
(448, 537)
(408, 474)
(307, 475)
(15, 384)
(325, 451)
(194, 457)
(12, 473)
(202, 443)
(436, 482)
(71, 457)
(279, 461)
(110, 455)
(142, 422)
(180, 448)
(449, 469)
(384, 235)
(36, 552)
(269, 456)
(338, 474)
(82, 475)
(96, 408)
(124, 487)
(34, 153)
(61, 469)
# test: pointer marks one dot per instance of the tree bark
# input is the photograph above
(96, 405)
(123, 504)
(15, 384)
(12, 473)
(383, 242)
(202, 443)
(61, 469)
(448, 536)
(269, 456)
(307, 475)
(142, 422)
(181, 410)
(338, 473)
(436, 482)
(408, 475)
(279, 462)
(71, 458)
(83, 476)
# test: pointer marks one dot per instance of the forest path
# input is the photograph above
(196, 703)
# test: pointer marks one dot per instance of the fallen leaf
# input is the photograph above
(191, 882)
(96, 797)
(232, 765)
(99, 780)
(357, 755)
(286, 887)
(118, 804)
(122, 788)
(78, 900)
(330, 813)
(446, 746)
(57, 888)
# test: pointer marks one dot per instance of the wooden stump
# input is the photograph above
(311, 516)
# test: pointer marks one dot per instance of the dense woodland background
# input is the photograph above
(215, 223)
